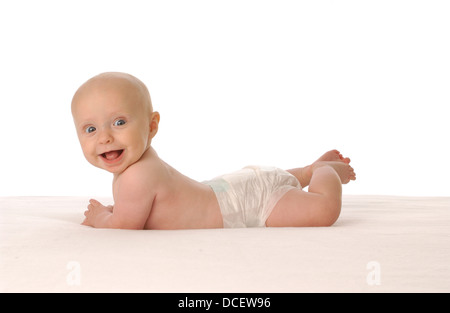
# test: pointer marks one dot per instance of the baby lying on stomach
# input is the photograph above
(115, 123)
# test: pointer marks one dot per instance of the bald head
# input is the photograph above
(113, 114)
(125, 84)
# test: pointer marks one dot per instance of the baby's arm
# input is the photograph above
(133, 195)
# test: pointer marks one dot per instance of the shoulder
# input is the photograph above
(146, 175)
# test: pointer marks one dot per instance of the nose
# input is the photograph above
(105, 137)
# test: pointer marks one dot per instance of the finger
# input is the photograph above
(94, 202)
(86, 223)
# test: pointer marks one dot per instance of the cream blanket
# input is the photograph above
(379, 244)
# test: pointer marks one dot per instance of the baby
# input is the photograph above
(115, 123)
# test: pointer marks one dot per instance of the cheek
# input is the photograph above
(88, 148)
(139, 137)
(146, 134)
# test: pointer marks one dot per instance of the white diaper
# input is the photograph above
(248, 196)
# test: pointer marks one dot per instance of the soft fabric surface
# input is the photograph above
(379, 244)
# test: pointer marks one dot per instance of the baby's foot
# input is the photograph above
(333, 155)
(304, 174)
(344, 170)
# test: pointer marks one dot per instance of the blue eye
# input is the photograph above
(119, 123)
(90, 129)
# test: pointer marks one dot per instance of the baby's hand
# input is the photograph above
(95, 211)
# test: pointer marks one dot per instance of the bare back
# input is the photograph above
(178, 202)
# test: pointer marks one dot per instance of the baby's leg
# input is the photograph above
(321, 205)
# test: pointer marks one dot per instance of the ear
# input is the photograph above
(154, 122)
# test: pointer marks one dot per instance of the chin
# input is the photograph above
(115, 169)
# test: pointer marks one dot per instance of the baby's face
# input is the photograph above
(113, 125)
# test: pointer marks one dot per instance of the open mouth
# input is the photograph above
(112, 156)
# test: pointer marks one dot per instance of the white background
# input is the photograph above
(237, 83)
